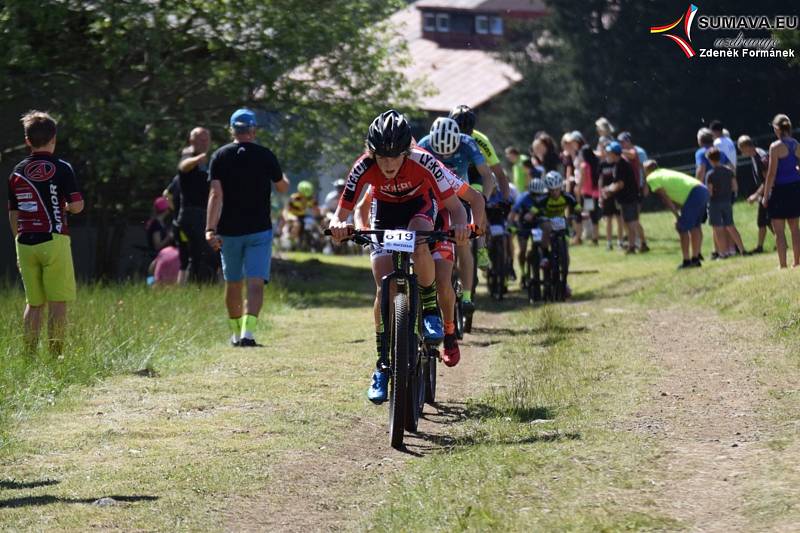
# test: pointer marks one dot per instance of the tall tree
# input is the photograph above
(127, 79)
(591, 58)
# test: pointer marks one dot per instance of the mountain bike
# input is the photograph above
(496, 275)
(412, 362)
(556, 275)
(533, 279)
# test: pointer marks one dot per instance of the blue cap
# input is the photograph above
(243, 119)
(614, 147)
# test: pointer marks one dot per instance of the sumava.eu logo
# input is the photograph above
(679, 31)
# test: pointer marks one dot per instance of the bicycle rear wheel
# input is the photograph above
(563, 253)
(398, 396)
(416, 390)
(430, 381)
(534, 278)
(458, 311)
(498, 255)
(555, 269)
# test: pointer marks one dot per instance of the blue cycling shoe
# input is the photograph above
(378, 391)
(433, 328)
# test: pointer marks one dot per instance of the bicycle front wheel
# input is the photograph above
(398, 397)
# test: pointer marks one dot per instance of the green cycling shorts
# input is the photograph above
(47, 271)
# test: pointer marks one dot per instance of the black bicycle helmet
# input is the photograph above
(464, 117)
(389, 134)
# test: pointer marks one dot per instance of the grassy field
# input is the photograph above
(207, 434)
(543, 450)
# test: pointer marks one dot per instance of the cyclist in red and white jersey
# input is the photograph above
(409, 186)
(444, 254)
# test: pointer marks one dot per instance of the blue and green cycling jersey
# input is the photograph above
(468, 152)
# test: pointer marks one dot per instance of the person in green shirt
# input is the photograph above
(687, 198)
(519, 175)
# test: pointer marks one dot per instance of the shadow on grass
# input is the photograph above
(529, 331)
(10, 484)
(423, 443)
(314, 283)
(35, 501)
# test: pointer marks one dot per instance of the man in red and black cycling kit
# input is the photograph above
(409, 186)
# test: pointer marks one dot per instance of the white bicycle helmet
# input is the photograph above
(537, 186)
(445, 136)
(553, 180)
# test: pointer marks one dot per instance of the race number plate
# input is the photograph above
(536, 233)
(399, 240)
(588, 204)
(496, 230)
(558, 224)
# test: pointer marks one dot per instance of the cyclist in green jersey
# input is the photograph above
(465, 118)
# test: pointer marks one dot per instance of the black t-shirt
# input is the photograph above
(174, 188)
(194, 184)
(760, 161)
(623, 171)
(246, 172)
(721, 180)
(605, 173)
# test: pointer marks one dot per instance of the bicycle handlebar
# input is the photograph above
(360, 236)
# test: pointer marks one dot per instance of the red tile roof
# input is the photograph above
(452, 76)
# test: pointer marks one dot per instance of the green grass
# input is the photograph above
(543, 447)
(112, 330)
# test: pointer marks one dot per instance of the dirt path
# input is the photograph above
(326, 489)
(710, 413)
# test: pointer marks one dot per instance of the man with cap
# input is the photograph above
(635, 155)
(625, 191)
(239, 221)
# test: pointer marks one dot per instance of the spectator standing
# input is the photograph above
(239, 221)
(687, 198)
(722, 188)
(625, 190)
(724, 144)
(705, 141)
(42, 192)
(519, 175)
(782, 188)
(759, 160)
(608, 207)
(604, 128)
(635, 155)
(193, 178)
(589, 192)
(543, 148)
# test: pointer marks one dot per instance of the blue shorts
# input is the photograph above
(693, 212)
(247, 256)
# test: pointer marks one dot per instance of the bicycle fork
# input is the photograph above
(406, 283)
